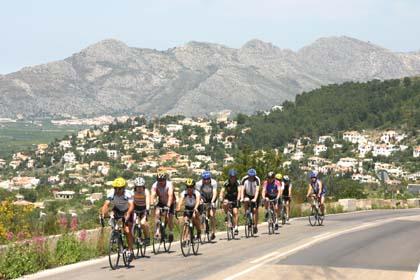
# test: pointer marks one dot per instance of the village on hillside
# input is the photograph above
(182, 146)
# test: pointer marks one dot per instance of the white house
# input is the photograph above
(298, 155)
(383, 150)
(199, 148)
(69, 157)
(112, 154)
(195, 164)
(324, 138)
(416, 152)
(203, 158)
(318, 149)
(65, 144)
(347, 163)
(91, 151)
(64, 195)
(364, 148)
(173, 127)
(353, 137)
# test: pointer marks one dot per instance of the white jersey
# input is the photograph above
(250, 187)
(163, 192)
(120, 202)
(190, 201)
(206, 190)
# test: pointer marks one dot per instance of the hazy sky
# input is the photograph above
(39, 31)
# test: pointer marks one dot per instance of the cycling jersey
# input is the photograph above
(272, 189)
(250, 186)
(163, 192)
(231, 190)
(206, 190)
(119, 203)
(139, 201)
(315, 187)
(190, 200)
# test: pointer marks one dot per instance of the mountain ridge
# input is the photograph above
(197, 78)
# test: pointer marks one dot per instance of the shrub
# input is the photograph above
(68, 250)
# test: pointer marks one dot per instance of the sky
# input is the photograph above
(39, 31)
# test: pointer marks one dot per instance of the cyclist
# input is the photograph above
(142, 205)
(191, 197)
(207, 187)
(316, 189)
(164, 190)
(250, 190)
(287, 194)
(120, 200)
(230, 193)
(271, 190)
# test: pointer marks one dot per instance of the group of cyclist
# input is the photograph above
(200, 196)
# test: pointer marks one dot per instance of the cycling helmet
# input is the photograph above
(233, 173)
(252, 172)
(206, 175)
(139, 182)
(286, 179)
(313, 174)
(271, 175)
(119, 183)
(279, 176)
(190, 183)
(161, 176)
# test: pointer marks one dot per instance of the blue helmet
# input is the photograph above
(313, 174)
(233, 173)
(252, 172)
(206, 175)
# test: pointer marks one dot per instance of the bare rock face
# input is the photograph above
(194, 79)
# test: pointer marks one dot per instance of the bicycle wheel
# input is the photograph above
(251, 223)
(123, 251)
(270, 222)
(165, 239)
(207, 228)
(157, 241)
(320, 219)
(195, 242)
(313, 217)
(114, 251)
(283, 215)
(137, 240)
(142, 243)
(186, 240)
(229, 230)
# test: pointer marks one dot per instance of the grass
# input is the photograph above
(21, 135)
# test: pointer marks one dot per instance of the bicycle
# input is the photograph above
(229, 221)
(283, 210)
(315, 217)
(139, 239)
(205, 222)
(117, 248)
(159, 237)
(249, 220)
(272, 217)
(191, 241)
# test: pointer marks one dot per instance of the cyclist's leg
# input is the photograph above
(235, 212)
(171, 221)
(225, 205)
(196, 222)
(212, 220)
(322, 200)
(157, 216)
(145, 226)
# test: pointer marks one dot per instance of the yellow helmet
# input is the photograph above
(190, 183)
(161, 176)
(119, 183)
(279, 176)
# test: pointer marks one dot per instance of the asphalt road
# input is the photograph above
(383, 244)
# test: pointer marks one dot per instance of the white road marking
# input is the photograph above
(319, 238)
(417, 276)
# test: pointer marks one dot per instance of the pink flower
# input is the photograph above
(20, 235)
(10, 236)
(63, 221)
(82, 235)
(74, 223)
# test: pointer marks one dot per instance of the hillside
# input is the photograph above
(334, 108)
(111, 78)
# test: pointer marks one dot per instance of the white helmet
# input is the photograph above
(139, 182)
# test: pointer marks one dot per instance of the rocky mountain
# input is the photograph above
(195, 79)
